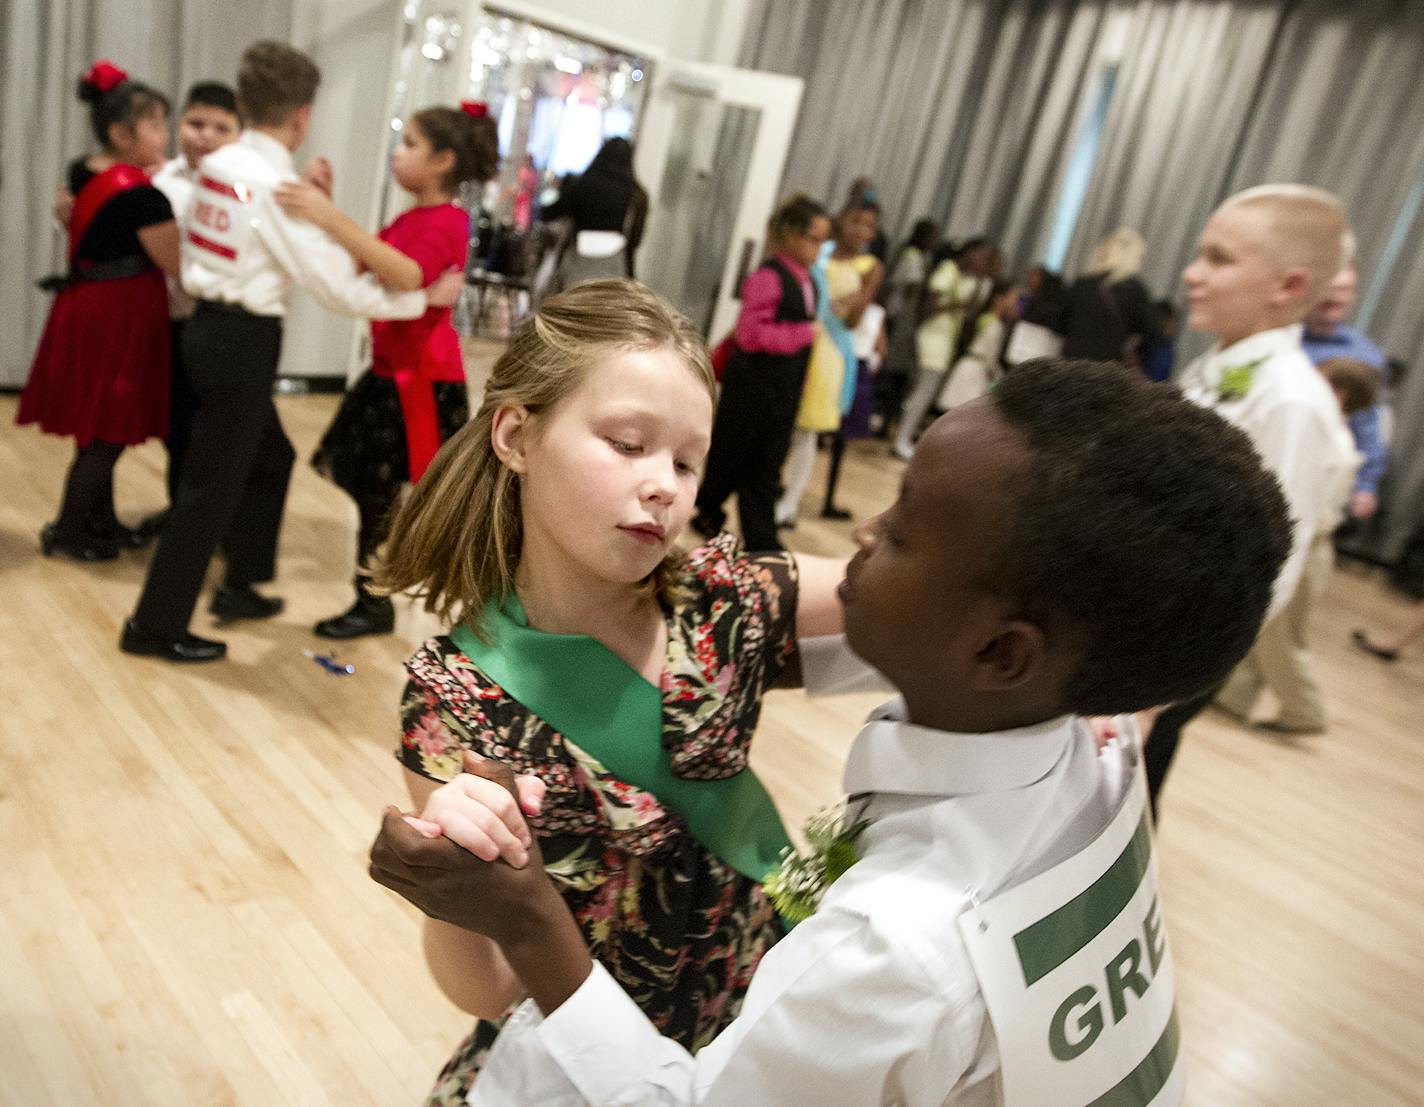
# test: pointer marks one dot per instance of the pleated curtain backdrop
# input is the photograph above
(968, 111)
(46, 45)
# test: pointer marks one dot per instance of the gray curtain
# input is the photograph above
(968, 110)
(46, 45)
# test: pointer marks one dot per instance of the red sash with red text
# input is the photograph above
(102, 188)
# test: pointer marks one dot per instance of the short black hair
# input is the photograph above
(1146, 528)
(213, 94)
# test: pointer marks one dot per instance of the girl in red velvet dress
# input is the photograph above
(100, 374)
(413, 397)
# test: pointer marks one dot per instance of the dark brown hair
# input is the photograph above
(273, 81)
(474, 142)
(1356, 381)
(125, 104)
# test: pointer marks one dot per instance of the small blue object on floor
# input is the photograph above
(328, 662)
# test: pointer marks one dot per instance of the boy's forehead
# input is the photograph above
(964, 461)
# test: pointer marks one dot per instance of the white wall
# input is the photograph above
(354, 42)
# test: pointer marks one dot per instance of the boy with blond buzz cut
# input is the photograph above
(1264, 258)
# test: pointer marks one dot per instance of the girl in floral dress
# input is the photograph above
(586, 650)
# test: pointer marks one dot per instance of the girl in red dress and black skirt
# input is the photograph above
(413, 397)
(100, 374)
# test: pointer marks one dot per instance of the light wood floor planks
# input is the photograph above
(185, 917)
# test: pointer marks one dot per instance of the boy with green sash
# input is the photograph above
(998, 939)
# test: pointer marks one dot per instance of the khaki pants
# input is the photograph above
(1280, 659)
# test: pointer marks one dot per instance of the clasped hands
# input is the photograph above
(469, 858)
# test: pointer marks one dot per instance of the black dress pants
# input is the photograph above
(751, 435)
(182, 410)
(233, 481)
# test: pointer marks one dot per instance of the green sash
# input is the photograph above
(594, 698)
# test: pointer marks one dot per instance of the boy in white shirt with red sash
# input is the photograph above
(241, 256)
(1075, 543)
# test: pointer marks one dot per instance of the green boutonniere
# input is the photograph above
(797, 884)
(1236, 380)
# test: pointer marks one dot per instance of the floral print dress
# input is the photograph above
(681, 931)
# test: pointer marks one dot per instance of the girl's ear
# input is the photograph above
(509, 436)
(443, 161)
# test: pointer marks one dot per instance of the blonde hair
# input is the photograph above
(1308, 229)
(456, 541)
(1119, 255)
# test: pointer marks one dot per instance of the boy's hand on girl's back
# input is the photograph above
(319, 174)
(445, 289)
(448, 882)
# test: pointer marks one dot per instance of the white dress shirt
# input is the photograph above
(1292, 418)
(175, 180)
(874, 999)
(240, 248)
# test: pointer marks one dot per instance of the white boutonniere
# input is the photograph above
(799, 881)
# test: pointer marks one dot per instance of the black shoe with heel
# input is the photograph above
(53, 543)
(368, 615)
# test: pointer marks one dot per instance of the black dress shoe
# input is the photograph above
(830, 511)
(368, 615)
(185, 647)
(233, 602)
(124, 538)
(87, 549)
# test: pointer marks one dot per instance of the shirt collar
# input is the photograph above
(272, 151)
(891, 755)
(1260, 345)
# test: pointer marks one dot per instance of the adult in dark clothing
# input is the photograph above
(1109, 314)
(604, 200)
(761, 387)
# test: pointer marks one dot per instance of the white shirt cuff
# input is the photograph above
(600, 1038)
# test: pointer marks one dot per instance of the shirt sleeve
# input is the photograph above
(1298, 447)
(431, 249)
(318, 264)
(831, 1017)
(146, 207)
(1365, 426)
(757, 328)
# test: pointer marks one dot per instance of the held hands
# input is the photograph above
(452, 884)
(319, 175)
(303, 200)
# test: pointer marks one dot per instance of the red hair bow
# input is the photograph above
(104, 75)
(475, 109)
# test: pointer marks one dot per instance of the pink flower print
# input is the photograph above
(429, 735)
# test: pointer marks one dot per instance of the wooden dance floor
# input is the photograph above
(185, 916)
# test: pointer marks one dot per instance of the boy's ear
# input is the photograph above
(1013, 657)
(509, 436)
(1295, 287)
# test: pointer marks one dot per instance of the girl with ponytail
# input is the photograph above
(413, 397)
